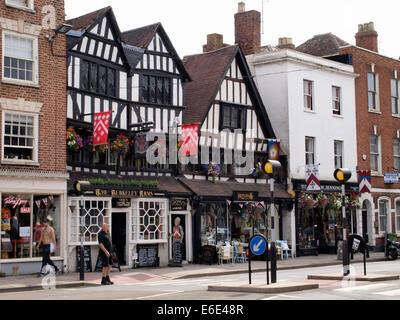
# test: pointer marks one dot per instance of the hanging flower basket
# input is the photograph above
(74, 141)
(214, 171)
(120, 145)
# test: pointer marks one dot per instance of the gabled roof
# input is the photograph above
(85, 21)
(208, 71)
(140, 37)
(322, 45)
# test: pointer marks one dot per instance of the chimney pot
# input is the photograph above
(242, 7)
(248, 30)
(367, 37)
(215, 41)
(285, 43)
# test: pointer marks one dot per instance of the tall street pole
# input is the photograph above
(346, 268)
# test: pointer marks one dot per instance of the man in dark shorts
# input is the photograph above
(105, 254)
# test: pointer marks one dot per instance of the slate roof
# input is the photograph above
(226, 189)
(85, 21)
(322, 45)
(207, 71)
(140, 37)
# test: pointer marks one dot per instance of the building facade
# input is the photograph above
(377, 126)
(138, 76)
(231, 200)
(33, 175)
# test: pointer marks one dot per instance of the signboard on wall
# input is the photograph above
(121, 203)
(391, 178)
(312, 178)
(178, 205)
(245, 196)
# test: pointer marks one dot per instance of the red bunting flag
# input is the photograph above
(38, 203)
(190, 137)
(100, 128)
(45, 201)
(51, 198)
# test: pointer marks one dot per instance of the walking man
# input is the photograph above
(105, 254)
(47, 238)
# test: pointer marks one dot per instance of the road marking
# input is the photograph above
(366, 287)
(160, 294)
(391, 293)
(279, 296)
(271, 298)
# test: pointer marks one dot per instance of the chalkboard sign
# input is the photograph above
(87, 258)
(148, 256)
(114, 255)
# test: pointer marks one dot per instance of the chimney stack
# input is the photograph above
(215, 41)
(248, 30)
(367, 37)
(286, 43)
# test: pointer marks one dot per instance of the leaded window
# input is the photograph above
(98, 79)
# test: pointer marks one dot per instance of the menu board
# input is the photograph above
(148, 256)
(87, 258)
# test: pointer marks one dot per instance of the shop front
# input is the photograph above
(139, 218)
(319, 218)
(25, 204)
(230, 213)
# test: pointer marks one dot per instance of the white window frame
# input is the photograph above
(35, 152)
(335, 100)
(397, 214)
(312, 109)
(134, 228)
(35, 69)
(75, 221)
(379, 154)
(396, 156)
(376, 93)
(388, 215)
(313, 152)
(337, 155)
(29, 7)
(396, 97)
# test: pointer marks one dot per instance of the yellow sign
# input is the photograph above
(340, 175)
(268, 168)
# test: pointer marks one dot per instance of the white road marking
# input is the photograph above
(364, 287)
(160, 294)
(271, 298)
(280, 296)
(392, 293)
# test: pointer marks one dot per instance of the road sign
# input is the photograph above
(258, 245)
(312, 178)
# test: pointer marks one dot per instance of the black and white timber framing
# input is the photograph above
(102, 43)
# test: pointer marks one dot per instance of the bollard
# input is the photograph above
(273, 263)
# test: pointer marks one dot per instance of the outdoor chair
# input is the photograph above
(239, 253)
(225, 254)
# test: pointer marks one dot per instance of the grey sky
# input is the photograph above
(188, 22)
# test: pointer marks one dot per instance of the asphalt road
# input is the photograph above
(196, 288)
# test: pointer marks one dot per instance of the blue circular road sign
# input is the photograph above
(258, 245)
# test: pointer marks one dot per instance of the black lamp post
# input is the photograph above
(342, 176)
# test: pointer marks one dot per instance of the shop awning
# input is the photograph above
(168, 185)
(227, 189)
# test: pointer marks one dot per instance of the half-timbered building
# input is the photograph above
(138, 76)
(229, 197)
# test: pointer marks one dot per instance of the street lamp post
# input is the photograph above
(342, 176)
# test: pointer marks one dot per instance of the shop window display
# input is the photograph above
(214, 224)
(242, 218)
(320, 220)
(21, 221)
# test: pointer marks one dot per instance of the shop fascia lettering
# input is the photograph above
(126, 193)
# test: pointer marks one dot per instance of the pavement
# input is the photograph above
(134, 276)
(369, 277)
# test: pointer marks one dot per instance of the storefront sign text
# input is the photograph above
(121, 203)
(245, 196)
(128, 193)
(179, 205)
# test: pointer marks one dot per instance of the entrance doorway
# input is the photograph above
(185, 232)
(119, 235)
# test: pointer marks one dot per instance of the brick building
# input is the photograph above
(33, 117)
(378, 125)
